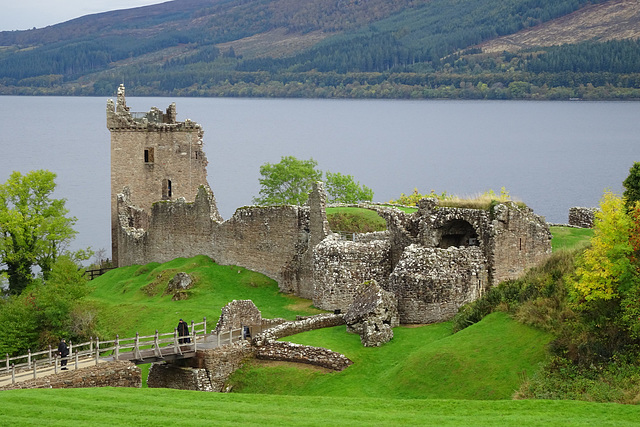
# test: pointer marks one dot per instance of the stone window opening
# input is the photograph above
(148, 155)
(166, 189)
(457, 233)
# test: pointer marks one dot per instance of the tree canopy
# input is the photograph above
(632, 186)
(34, 227)
(291, 180)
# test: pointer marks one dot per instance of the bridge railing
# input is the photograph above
(95, 347)
(122, 348)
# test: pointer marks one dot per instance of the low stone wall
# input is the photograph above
(295, 327)
(111, 374)
(297, 353)
(582, 217)
(221, 362)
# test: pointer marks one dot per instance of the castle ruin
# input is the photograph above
(433, 260)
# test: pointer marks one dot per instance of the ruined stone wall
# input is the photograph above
(238, 313)
(297, 353)
(269, 240)
(582, 217)
(430, 284)
(272, 240)
(341, 268)
(111, 374)
(175, 229)
(520, 240)
(153, 156)
(306, 324)
(221, 362)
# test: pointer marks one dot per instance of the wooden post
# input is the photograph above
(156, 345)
(70, 349)
(117, 346)
(7, 362)
(13, 373)
(29, 359)
(136, 346)
(176, 344)
(76, 360)
(193, 335)
(204, 329)
(49, 354)
(90, 345)
(97, 350)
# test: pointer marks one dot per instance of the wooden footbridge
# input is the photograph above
(139, 350)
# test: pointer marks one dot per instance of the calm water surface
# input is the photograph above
(551, 155)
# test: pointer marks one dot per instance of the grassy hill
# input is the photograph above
(424, 376)
(337, 48)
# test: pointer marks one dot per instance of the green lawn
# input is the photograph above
(569, 237)
(485, 361)
(148, 407)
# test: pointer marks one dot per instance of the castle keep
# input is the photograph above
(433, 260)
(153, 158)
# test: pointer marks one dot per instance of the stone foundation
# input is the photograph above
(297, 353)
(111, 374)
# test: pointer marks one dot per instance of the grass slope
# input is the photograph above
(485, 361)
(132, 407)
(132, 299)
(570, 238)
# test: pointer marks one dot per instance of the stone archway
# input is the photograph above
(457, 233)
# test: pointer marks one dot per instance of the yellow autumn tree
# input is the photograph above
(606, 271)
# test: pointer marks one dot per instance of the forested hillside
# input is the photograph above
(336, 48)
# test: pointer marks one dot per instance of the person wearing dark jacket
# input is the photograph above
(183, 331)
(63, 351)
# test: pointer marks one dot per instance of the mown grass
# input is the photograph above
(133, 299)
(133, 407)
(486, 361)
(569, 237)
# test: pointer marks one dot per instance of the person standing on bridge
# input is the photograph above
(183, 331)
(63, 351)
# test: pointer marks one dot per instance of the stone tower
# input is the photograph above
(153, 158)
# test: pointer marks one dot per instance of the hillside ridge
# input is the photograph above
(613, 20)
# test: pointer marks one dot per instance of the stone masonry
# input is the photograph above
(155, 156)
(433, 260)
(582, 217)
(110, 374)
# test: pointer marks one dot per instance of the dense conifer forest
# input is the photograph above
(312, 48)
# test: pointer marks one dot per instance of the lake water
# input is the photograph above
(551, 155)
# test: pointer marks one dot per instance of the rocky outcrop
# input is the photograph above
(178, 285)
